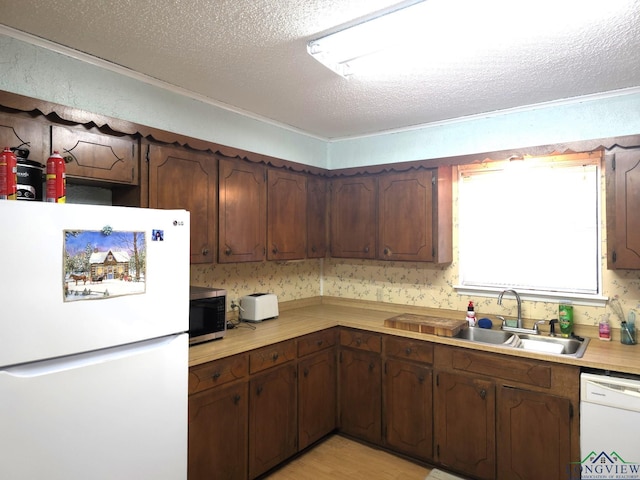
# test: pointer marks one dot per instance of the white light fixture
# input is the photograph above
(339, 51)
(437, 33)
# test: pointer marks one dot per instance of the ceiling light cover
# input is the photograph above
(339, 51)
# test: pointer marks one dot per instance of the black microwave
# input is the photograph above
(207, 314)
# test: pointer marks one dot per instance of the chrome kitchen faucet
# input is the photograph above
(519, 321)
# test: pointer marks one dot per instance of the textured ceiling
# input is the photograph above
(251, 54)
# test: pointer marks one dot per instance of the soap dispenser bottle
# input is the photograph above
(471, 315)
(565, 318)
(604, 328)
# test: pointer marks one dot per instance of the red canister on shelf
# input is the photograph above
(56, 179)
(8, 175)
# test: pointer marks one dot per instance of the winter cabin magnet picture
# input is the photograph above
(103, 264)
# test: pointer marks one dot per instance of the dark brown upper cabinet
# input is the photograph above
(353, 217)
(286, 215)
(414, 215)
(622, 171)
(181, 178)
(97, 156)
(317, 217)
(405, 216)
(17, 131)
(242, 193)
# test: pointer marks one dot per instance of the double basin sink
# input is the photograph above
(571, 347)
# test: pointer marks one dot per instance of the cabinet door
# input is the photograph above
(317, 209)
(623, 217)
(218, 433)
(353, 217)
(97, 156)
(19, 132)
(409, 408)
(464, 413)
(317, 397)
(286, 215)
(180, 178)
(272, 418)
(405, 206)
(361, 394)
(534, 435)
(242, 215)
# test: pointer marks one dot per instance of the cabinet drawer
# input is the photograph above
(409, 349)
(361, 340)
(271, 356)
(316, 341)
(524, 371)
(217, 373)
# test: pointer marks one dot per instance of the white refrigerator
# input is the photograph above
(94, 306)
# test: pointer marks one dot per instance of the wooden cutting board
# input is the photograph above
(442, 327)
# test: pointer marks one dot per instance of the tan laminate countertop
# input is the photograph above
(312, 315)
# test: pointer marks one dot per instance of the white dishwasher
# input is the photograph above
(609, 426)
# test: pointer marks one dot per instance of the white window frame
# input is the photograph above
(476, 288)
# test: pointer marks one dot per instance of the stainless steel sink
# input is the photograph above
(535, 343)
(570, 346)
(484, 335)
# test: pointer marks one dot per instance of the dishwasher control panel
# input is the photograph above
(610, 391)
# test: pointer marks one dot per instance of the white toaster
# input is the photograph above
(259, 306)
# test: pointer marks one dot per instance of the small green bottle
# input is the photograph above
(565, 319)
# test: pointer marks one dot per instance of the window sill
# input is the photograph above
(533, 296)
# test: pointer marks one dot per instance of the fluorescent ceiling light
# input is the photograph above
(435, 34)
(339, 51)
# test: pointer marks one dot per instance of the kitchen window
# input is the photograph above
(533, 225)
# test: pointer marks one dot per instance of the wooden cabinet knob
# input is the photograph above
(306, 372)
(205, 251)
(408, 351)
(227, 251)
(314, 249)
(236, 399)
(274, 250)
(216, 375)
(259, 390)
(275, 356)
(387, 251)
(366, 249)
(483, 394)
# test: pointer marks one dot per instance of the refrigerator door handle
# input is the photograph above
(81, 360)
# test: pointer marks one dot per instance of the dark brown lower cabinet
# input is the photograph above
(218, 433)
(317, 397)
(361, 394)
(408, 408)
(272, 418)
(534, 435)
(465, 419)
(482, 415)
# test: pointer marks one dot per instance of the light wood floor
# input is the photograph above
(341, 458)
